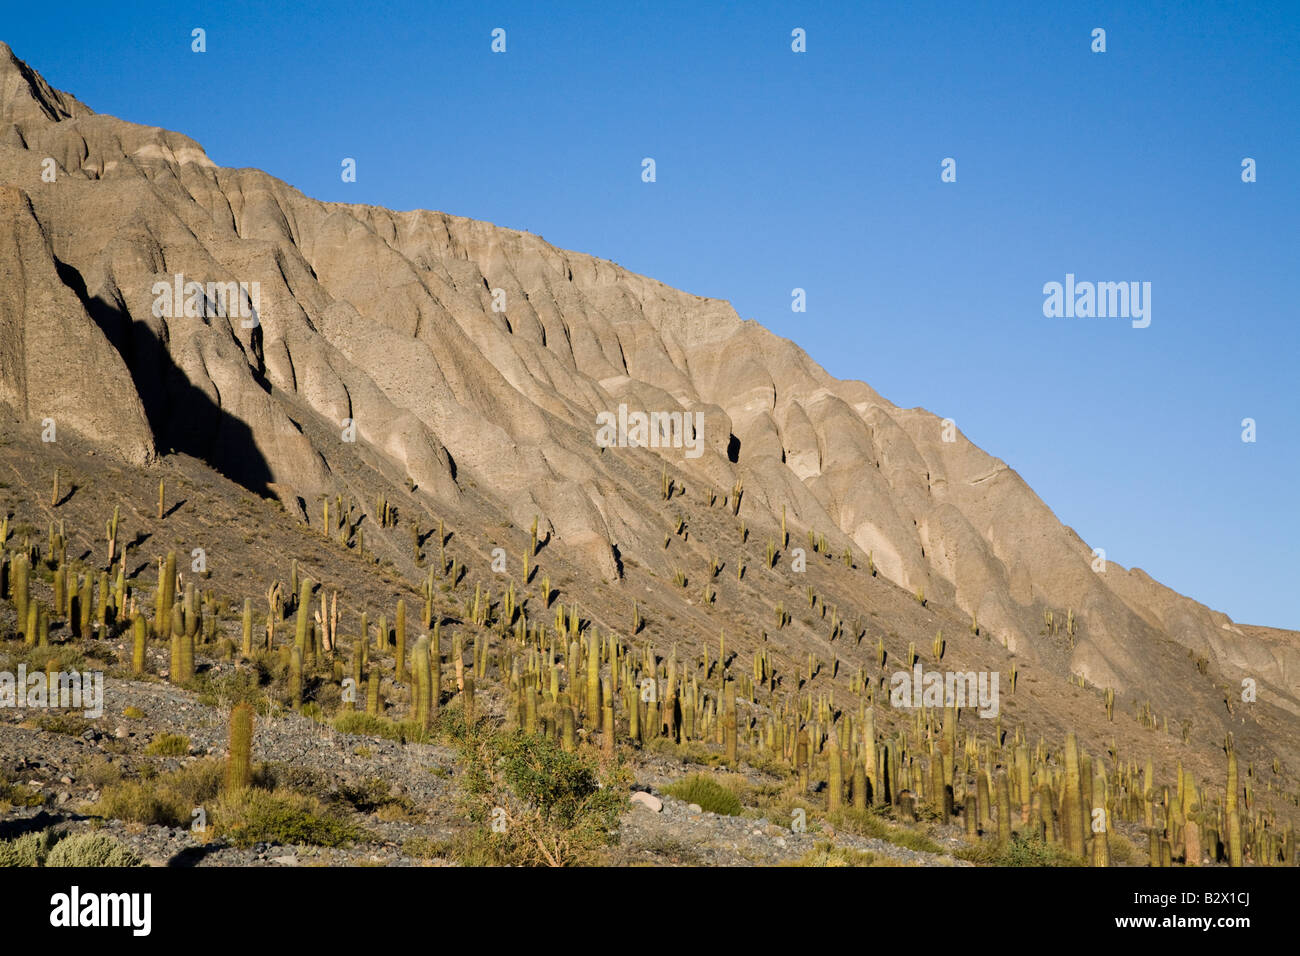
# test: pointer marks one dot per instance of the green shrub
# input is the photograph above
(369, 725)
(867, 824)
(91, 849)
(19, 795)
(555, 810)
(707, 792)
(424, 848)
(827, 854)
(245, 817)
(225, 689)
(168, 745)
(30, 849)
(1020, 850)
(165, 800)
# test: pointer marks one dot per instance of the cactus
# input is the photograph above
(1072, 822)
(239, 764)
(162, 497)
(83, 608)
(1004, 809)
(593, 713)
(423, 681)
(247, 623)
(295, 676)
(607, 719)
(110, 533)
(190, 610)
(1110, 704)
(166, 596)
(435, 668)
(304, 613)
(185, 645)
(836, 788)
(1101, 824)
(20, 586)
(139, 634)
(1233, 817)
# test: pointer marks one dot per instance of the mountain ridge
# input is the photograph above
(507, 400)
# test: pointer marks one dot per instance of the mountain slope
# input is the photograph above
(386, 319)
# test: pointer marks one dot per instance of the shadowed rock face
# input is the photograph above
(386, 318)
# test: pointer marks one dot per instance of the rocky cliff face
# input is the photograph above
(385, 321)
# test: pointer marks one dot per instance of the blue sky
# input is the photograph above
(820, 170)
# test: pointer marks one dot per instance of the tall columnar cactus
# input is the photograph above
(174, 661)
(607, 719)
(295, 676)
(1233, 817)
(836, 758)
(1148, 783)
(21, 586)
(247, 623)
(102, 601)
(165, 596)
(110, 533)
(239, 764)
(304, 615)
(423, 681)
(1100, 822)
(399, 628)
(190, 608)
(1072, 822)
(119, 590)
(186, 647)
(84, 598)
(1192, 843)
(139, 634)
(1022, 781)
(162, 497)
(938, 790)
(593, 680)
(1004, 809)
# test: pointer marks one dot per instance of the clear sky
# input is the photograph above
(821, 170)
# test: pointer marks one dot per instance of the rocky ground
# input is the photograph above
(64, 769)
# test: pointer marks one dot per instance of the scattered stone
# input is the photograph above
(648, 800)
